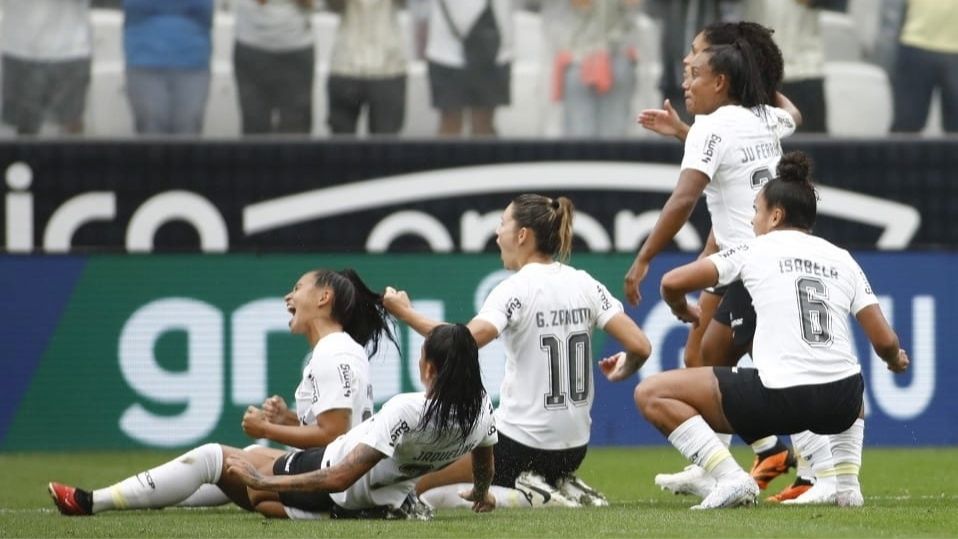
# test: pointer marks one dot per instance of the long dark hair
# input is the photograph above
(769, 57)
(550, 219)
(739, 63)
(357, 308)
(793, 191)
(455, 400)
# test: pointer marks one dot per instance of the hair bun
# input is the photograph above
(795, 167)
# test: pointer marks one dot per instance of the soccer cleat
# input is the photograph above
(67, 500)
(770, 467)
(540, 493)
(822, 492)
(730, 493)
(792, 491)
(692, 480)
(576, 489)
(849, 498)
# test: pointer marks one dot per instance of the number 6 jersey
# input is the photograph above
(545, 313)
(803, 289)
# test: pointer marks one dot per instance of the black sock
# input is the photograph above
(84, 499)
(800, 481)
(778, 448)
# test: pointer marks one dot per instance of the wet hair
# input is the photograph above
(357, 308)
(767, 53)
(739, 64)
(550, 219)
(793, 191)
(456, 397)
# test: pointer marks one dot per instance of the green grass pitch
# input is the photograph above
(908, 493)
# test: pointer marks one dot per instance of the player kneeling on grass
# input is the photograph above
(370, 471)
(806, 374)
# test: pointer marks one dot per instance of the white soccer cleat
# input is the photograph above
(540, 493)
(849, 498)
(821, 493)
(576, 489)
(731, 493)
(692, 480)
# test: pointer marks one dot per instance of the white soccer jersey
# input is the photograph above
(411, 451)
(336, 377)
(545, 314)
(738, 149)
(803, 289)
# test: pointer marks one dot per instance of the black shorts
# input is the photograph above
(755, 411)
(513, 458)
(296, 462)
(736, 311)
(32, 89)
(456, 88)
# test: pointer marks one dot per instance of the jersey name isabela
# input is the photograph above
(411, 451)
(803, 289)
(336, 377)
(545, 314)
(738, 149)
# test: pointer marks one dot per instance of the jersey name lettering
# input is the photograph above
(564, 317)
(808, 267)
(762, 150)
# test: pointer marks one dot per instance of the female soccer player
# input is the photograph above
(730, 152)
(806, 375)
(343, 320)
(545, 313)
(373, 467)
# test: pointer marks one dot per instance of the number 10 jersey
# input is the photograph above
(545, 314)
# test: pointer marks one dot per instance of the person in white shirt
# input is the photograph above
(46, 48)
(806, 374)
(545, 314)
(344, 321)
(730, 152)
(371, 470)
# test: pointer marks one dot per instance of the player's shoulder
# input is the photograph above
(405, 404)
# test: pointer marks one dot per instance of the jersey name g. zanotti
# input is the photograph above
(803, 289)
(545, 314)
(411, 451)
(738, 149)
(336, 377)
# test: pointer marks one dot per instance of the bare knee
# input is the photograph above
(647, 395)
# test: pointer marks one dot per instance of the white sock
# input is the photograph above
(803, 470)
(210, 495)
(847, 451)
(726, 439)
(165, 485)
(447, 496)
(816, 451)
(206, 496)
(698, 443)
(764, 444)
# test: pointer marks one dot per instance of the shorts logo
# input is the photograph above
(736, 322)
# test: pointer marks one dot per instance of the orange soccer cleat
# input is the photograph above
(67, 500)
(764, 470)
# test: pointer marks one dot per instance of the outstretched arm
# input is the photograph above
(664, 121)
(637, 348)
(674, 215)
(483, 468)
(333, 479)
(688, 278)
(785, 103)
(883, 338)
(398, 304)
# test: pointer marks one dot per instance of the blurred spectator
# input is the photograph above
(799, 34)
(890, 17)
(168, 46)
(927, 59)
(593, 64)
(46, 47)
(368, 67)
(273, 62)
(680, 21)
(477, 86)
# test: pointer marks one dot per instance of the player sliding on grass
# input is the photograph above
(807, 376)
(343, 321)
(545, 313)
